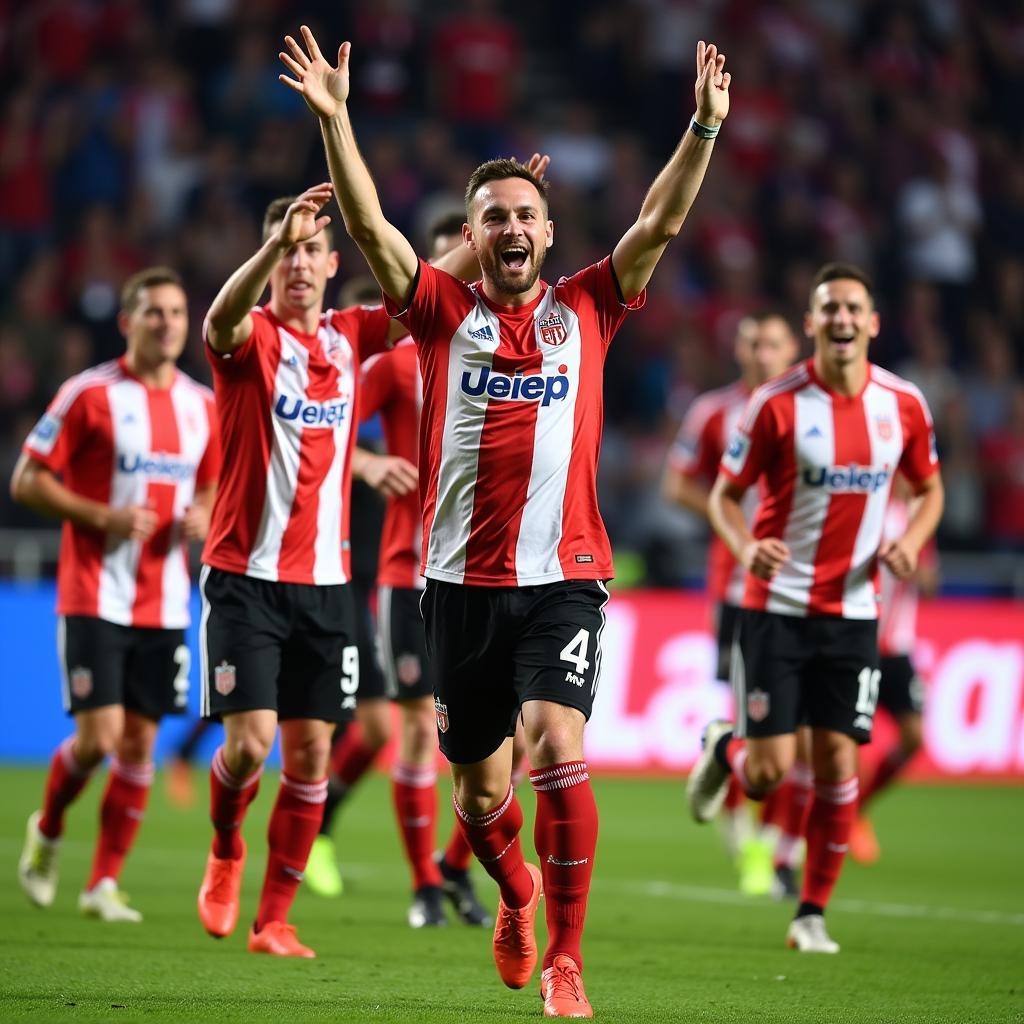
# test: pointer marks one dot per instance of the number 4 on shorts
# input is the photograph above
(575, 651)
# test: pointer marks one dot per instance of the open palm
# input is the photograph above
(325, 89)
(711, 89)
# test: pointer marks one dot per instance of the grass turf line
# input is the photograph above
(666, 941)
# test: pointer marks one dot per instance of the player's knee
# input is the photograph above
(766, 773)
(94, 747)
(245, 753)
(309, 760)
(376, 723)
(479, 796)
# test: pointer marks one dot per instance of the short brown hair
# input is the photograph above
(274, 215)
(498, 170)
(842, 272)
(148, 278)
(449, 223)
(360, 291)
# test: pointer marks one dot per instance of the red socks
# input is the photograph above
(63, 784)
(832, 814)
(121, 813)
(888, 768)
(494, 838)
(457, 853)
(351, 757)
(793, 811)
(294, 823)
(229, 800)
(414, 791)
(565, 834)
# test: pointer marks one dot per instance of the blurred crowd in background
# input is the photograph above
(884, 132)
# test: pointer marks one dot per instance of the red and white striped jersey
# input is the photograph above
(828, 463)
(287, 405)
(117, 441)
(391, 385)
(696, 453)
(512, 418)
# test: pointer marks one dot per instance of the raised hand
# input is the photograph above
(325, 89)
(301, 219)
(711, 89)
(538, 164)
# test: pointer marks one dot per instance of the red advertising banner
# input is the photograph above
(657, 686)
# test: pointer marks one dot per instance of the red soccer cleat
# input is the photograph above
(219, 894)
(278, 939)
(515, 948)
(561, 987)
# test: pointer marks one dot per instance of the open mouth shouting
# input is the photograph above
(515, 257)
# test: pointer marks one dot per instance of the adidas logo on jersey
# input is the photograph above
(852, 479)
(311, 414)
(518, 388)
(482, 333)
(160, 467)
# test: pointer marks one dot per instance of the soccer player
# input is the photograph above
(764, 346)
(391, 385)
(514, 550)
(127, 455)
(278, 628)
(900, 690)
(824, 441)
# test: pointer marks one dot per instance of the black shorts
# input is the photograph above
(492, 649)
(103, 663)
(372, 685)
(820, 671)
(402, 643)
(900, 689)
(725, 627)
(287, 647)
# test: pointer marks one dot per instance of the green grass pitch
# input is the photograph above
(933, 933)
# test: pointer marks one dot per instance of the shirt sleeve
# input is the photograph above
(374, 326)
(600, 283)
(226, 363)
(748, 452)
(209, 467)
(694, 452)
(920, 459)
(58, 434)
(425, 299)
(375, 384)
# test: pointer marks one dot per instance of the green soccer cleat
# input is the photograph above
(322, 874)
(754, 862)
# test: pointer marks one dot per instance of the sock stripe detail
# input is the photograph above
(838, 792)
(560, 776)
(417, 776)
(491, 860)
(309, 792)
(483, 820)
(226, 778)
(136, 774)
(67, 756)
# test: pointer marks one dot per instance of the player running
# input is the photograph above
(824, 440)
(764, 346)
(514, 550)
(127, 455)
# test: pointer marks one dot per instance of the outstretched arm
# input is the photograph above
(228, 323)
(675, 188)
(325, 90)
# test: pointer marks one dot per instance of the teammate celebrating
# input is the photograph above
(764, 347)
(825, 438)
(514, 550)
(127, 455)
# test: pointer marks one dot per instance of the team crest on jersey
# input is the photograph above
(407, 667)
(883, 424)
(224, 678)
(442, 715)
(758, 705)
(551, 330)
(81, 681)
(336, 350)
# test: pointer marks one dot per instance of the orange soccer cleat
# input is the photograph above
(180, 790)
(561, 987)
(864, 846)
(515, 948)
(219, 894)
(278, 939)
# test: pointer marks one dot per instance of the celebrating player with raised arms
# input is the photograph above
(824, 440)
(514, 549)
(127, 455)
